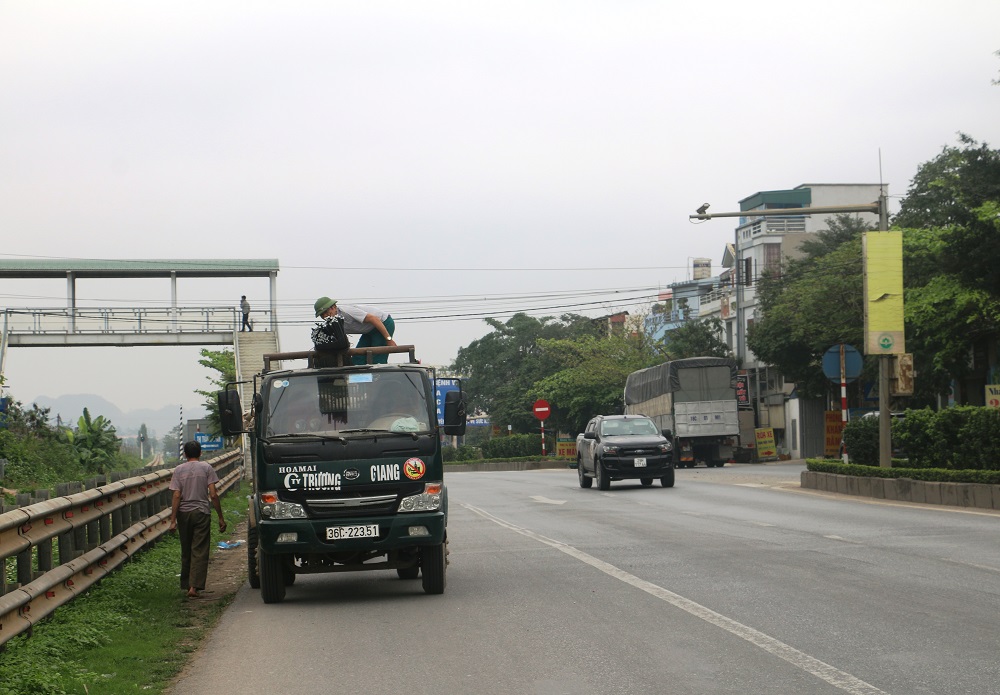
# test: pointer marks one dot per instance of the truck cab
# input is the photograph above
(347, 470)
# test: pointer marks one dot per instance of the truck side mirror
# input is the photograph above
(230, 412)
(592, 434)
(454, 413)
(668, 434)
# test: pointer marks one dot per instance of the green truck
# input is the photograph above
(347, 468)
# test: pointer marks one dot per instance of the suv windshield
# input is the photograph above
(361, 401)
(632, 426)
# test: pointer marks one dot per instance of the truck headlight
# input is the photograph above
(666, 448)
(274, 508)
(427, 501)
(609, 449)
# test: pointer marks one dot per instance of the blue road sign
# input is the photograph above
(207, 441)
(853, 363)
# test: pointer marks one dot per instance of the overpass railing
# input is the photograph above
(89, 534)
(96, 320)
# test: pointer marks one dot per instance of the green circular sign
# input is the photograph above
(885, 341)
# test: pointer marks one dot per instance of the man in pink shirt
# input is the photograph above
(193, 484)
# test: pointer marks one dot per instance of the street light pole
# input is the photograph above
(880, 208)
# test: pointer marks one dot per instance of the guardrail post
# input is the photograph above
(116, 516)
(64, 541)
(79, 532)
(43, 552)
(24, 567)
(94, 527)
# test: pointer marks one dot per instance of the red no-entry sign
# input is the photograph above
(541, 409)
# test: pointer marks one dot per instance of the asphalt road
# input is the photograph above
(734, 581)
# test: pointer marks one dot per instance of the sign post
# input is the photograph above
(541, 410)
(842, 363)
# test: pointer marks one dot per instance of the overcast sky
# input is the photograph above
(442, 159)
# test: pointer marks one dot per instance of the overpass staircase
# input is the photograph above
(250, 348)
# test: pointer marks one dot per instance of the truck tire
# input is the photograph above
(288, 572)
(585, 481)
(272, 577)
(603, 481)
(252, 575)
(433, 562)
(408, 572)
(668, 479)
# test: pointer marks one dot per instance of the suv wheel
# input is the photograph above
(603, 481)
(585, 481)
(668, 479)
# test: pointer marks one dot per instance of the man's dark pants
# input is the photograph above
(195, 532)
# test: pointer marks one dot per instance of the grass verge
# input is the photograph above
(131, 633)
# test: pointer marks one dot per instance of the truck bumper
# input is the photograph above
(307, 536)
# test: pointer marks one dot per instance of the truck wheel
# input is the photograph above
(433, 561)
(668, 479)
(252, 574)
(585, 481)
(408, 572)
(603, 481)
(646, 482)
(272, 578)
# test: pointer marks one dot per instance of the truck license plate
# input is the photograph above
(640, 463)
(336, 533)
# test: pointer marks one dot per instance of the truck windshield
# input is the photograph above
(327, 404)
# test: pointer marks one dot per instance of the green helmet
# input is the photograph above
(322, 304)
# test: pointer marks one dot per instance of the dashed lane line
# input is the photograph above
(811, 665)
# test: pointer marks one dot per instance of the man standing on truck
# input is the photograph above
(375, 325)
(193, 483)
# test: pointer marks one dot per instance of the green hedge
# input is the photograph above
(960, 438)
(517, 445)
(939, 475)
(463, 453)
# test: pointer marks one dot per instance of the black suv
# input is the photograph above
(624, 447)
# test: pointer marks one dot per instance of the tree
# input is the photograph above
(699, 338)
(840, 228)
(958, 192)
(501, 368)
(591, 378)
(172, 443)
(95, 441)
(224, 363)
(803, 312)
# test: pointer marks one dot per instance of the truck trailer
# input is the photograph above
(693, 398)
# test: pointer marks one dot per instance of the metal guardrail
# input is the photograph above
(95, 532)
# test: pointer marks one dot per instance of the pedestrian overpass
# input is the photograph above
(170, 325)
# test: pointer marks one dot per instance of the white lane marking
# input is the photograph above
(762, 523)
(546, 500)
(843, 540)
(988, 568)
(824, 671)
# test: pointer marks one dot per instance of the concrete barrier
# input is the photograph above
(977, 495)
(503, 466)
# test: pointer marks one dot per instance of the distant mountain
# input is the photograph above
(159, 421)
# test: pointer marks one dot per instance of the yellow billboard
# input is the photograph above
(883, 282)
